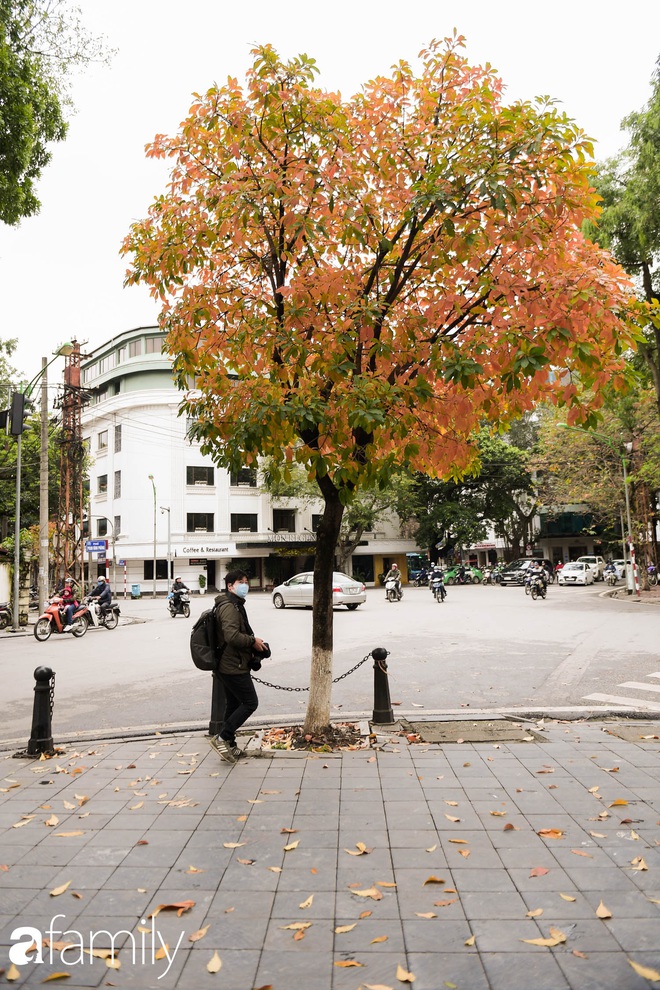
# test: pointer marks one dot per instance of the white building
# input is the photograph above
(152, 491)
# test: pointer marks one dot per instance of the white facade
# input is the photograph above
(134, 431)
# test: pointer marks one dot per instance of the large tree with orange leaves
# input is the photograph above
(358, 284)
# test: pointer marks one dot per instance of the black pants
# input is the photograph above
(242, 702)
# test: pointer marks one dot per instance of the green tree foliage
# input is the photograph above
(629, 185)
(498, 493)
(40, 42)
(30, 453)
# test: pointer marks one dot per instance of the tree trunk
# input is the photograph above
(320, 680)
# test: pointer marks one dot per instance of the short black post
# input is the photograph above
(41, 738)
(218, 705)
(382, 714)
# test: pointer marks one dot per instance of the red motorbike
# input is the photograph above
(53, 620)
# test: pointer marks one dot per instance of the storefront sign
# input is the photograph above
(197, 561)
(292, 538)
(215, 550)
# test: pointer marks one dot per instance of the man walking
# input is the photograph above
(238, 654)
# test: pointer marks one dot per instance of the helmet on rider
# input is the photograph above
(395, 567)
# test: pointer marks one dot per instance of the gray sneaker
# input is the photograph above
(224, 750)
(239, 753)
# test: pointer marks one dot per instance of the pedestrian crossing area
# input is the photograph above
(648, 698)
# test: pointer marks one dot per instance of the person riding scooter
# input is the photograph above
(178, 589)
(102, 593)
(69, 602)
(394, 574)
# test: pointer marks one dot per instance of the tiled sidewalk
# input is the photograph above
(456, 875)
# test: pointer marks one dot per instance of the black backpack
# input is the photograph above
(205, 646)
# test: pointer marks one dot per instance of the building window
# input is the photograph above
(102, 484)
(284, 520)
(316, 519)
(199, 522)
(161, 570)
(245, 478)
(117, 484)
(117, 439)
(104, 364)
(199, 476)
(244, 522)
(102, 440)
(122, 353)
(153, 345)
(135, 348)
(117, 526)
(102, 527)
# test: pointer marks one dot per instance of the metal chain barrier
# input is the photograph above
(281, 687)
(52, 694)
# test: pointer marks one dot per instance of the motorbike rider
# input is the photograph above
(537, 570)
(68, 596)
(102, 593)
(178, 589)
(394, 574)
(437, 574)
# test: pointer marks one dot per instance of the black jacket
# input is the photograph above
(234, 630)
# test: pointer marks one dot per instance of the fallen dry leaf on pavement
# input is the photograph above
(179, 906)
(346, 963)
(385, 883)
(451, 818)
(403, 975)
(427, 914)
(638, 863)
(307, 903)
(372, 892)
(556, 938)
(14, 974)
(581, 852)
(291, 846)
(342, 929)
(459, 842)
(380, 938)
(360, 850)
(445, 903)
(433, 879)
(432, 849)
(645, 971)
(297, 926)
(214, 965)
(535, 914)
(233, 845)
(539, 871)
(551, 833)
(60, 890)
(470, 940)
(567, 897)
(53, 820)
(200, 933)
(602, 911)
(55, 976)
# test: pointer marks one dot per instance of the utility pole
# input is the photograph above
(42, 582)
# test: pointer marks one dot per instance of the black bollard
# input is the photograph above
(41, 738)
(218, 705)
(382, 714)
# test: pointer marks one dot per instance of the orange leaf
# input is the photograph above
(346, 963)
(179, 906)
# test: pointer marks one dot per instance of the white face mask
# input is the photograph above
(241, 590)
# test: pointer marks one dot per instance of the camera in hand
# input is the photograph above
(257, 657)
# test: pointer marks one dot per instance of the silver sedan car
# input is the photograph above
(299, 590)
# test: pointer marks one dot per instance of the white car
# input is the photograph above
(299, 590)
(577, 572)
(597, 565)
(620, 566)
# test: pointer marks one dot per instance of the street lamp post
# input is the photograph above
(153, 485)
(63, 350)
(166, 508)
(629, 541)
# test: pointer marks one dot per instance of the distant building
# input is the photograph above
(216, 519)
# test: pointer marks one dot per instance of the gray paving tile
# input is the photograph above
(239, 969)
(488, 904)
(536, 970)
(433, 970)
(601, 971)
(435, 935)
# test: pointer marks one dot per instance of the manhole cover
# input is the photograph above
(469, 730)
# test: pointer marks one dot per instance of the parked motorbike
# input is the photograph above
(5, 614)
(422, 580)
(101, 615)
(653, 574)
(438, 587)
(53, 618)
(391, 592)
(179, 605)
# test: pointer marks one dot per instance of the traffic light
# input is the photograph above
(17, 414)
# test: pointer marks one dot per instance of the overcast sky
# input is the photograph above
(60, 272)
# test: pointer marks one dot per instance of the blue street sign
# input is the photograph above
(93, 546)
